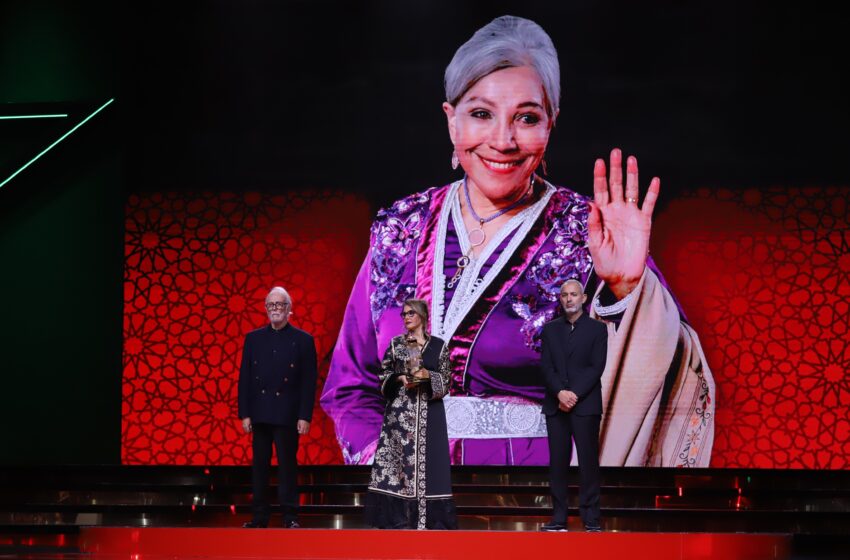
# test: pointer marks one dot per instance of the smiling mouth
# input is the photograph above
(500, 166)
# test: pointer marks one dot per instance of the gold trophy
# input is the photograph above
(413, 362)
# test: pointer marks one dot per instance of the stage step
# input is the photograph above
(800, 502)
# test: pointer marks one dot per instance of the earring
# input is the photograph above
(455, 160)
(543, 164)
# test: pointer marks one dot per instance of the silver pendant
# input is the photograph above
(476, 237)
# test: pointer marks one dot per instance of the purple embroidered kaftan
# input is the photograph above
(492, 321)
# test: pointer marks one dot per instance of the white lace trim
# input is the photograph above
(615, 308)
(444, 322)
(493, 418)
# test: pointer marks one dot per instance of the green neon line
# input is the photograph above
(48, 148)
(10, 117)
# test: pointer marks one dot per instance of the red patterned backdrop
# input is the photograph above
(197, 270)
(763, 275)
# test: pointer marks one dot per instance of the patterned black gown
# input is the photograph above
(410, 486)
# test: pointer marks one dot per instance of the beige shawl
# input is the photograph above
(651, 344)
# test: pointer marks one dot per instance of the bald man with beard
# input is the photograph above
(574, 352)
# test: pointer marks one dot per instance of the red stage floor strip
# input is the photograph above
(312, 544)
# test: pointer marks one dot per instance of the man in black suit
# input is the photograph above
(277, 384)
(572, 361)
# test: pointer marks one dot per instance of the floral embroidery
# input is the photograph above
(570, 258)
(532, 328)
(421, 472)
(395, 234)
(400, 466)
(701, 417)
(440, 380)
(393, 470)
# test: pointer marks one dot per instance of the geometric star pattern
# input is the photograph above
(197, 270)
(762, 274)
(764, 277)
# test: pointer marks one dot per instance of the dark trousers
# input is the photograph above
(285, 440)
(563, 428)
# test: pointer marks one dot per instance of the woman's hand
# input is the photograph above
(406, 381)
(618, 227)
(411, 382)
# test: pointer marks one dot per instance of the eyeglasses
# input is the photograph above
(410, 313)
(277, 305)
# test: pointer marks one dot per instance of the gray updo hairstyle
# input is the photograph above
(505, 42)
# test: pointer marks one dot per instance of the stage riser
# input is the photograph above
(646, 523)
(199, 476)
(445, 545)
(346, 494)
(44, 543)
(487, 497)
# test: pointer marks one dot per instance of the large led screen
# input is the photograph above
(761, 277)
(324, 149)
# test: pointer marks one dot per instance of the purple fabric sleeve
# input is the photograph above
(351, 395)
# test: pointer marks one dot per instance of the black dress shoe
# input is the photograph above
(554, 527)
(291, 525)
(255, 525)
(593, 528)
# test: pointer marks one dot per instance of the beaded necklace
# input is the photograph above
(477, 236)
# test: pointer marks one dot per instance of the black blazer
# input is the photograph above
(575, 363)
(277, 379)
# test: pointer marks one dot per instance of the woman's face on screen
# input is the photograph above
(500, 130)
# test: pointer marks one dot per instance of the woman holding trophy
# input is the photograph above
(410, 485)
